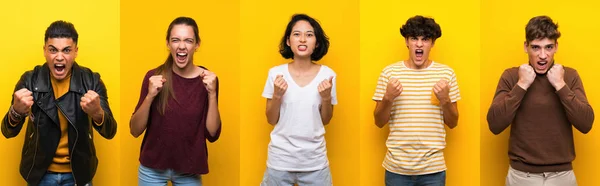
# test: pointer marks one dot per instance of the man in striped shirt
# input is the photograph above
(416, 97)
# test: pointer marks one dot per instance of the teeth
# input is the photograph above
(181, 54)
(59, 65)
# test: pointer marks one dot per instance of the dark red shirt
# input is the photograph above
(177, 139)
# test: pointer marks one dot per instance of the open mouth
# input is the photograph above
(302, 47)
(419, 53)
(542, 65)
(60, 68)
(181, 56)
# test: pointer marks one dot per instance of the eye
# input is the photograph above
(53, 50)
(189, 41)
(414, 38)
(174, 40)
(296, 34)
(67, 50)
(550, 47)
(310, 35)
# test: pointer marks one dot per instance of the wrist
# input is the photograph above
(16, 116)
(212, 95)
(559, 85)
(387, 99)
(524, 86)
(445, 101)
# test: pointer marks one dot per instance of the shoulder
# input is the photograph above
(150, 73)
(86, 73)
(327, 70)
(571, 73)
(441, 67)
(278, 69)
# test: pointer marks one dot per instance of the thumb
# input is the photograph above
(331, 79)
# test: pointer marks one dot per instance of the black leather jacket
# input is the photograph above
(43, 130)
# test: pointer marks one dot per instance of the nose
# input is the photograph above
(419, 43)
(303, 38)
(60, 57)
(181, 46)
(543, 54)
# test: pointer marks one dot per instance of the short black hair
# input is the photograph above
(421, 26)
(541, 27)
(61, 29)
(322, 45)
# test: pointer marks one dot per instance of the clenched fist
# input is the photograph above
(325, 88)
(441, 89)
(556, 76)
(526, 76)
(393, 90)
(155, 84)
(90, 104)
(23, 100)
(209, 79)
(280, 86)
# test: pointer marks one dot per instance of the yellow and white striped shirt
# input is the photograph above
(417, 135)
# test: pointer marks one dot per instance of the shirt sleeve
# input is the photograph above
(269, 87)
(334, 100)
(144, 90)
(381, 86)
(454, 92)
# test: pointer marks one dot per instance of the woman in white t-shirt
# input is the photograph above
(300, 98)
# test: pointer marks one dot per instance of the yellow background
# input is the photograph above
(480, 39)
(381, 44)
(23, 26)
(263, 25)
(143, 32)
(502, 37)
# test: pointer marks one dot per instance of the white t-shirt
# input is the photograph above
(298, 139)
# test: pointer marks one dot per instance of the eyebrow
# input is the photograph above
(189, 38)
(301, 31)
(541, 45)
(68, 47)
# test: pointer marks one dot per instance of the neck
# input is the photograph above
(187, 71)
(411, 64)
(301, 64)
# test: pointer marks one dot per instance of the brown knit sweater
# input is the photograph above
(541, 136)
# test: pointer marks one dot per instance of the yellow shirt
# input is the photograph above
(61, 161)
(417, 135)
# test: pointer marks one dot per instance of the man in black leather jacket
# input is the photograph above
(62, 102)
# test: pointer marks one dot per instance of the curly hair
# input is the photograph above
(421, 26)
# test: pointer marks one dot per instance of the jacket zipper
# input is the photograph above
(74, 144)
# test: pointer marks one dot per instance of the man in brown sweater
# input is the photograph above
(542, 100)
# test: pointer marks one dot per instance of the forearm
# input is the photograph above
(383, 111)
(578, 110)
(273, 108)
(450, 114)
(213, 118)
(139, 120)
(504, 108)
(9, 129)
(326, 111)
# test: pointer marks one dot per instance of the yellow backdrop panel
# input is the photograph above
(143, 30)
(263, 24)
(381, 44)
(24, 24)
(502, 37)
